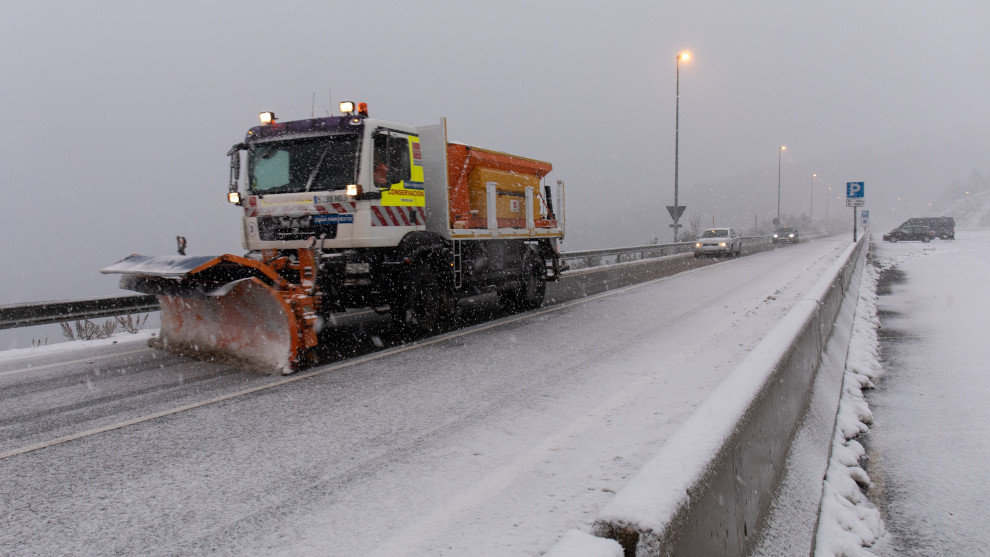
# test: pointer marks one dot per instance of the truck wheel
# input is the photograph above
(926, 239)
(420, 306)
(533, 290)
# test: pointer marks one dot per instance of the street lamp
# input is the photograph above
(675, 213)
(779, 151)
(828, 201)
(811, 211)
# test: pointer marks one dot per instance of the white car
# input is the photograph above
(718, 241)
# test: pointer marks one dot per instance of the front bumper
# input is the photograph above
(712, 249)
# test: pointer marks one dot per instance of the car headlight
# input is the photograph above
(697, 244)
(775, 236)
(721, 244)
(790, 235)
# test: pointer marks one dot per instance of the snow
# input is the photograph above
(493, 440)
(915, 393)
(928, 445)
(848, 520)
(575, 543)
(656, 494)
(39, 352)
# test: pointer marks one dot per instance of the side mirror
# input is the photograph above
(235, 172)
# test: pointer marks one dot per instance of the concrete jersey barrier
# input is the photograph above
(708, 490)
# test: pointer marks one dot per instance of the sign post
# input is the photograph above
(675, 213)
(855, 197)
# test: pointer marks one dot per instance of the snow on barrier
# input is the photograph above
(708, 489)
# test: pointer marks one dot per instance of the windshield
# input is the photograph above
(309, 164)
(715, 233)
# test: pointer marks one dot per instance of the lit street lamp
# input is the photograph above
(675, 211)
(779, 151)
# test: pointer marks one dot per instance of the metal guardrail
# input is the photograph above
(45, 313)
(59, 311)
(596, 258)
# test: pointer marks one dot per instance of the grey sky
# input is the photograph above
(118, 114)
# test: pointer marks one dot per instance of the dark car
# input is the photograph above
(785, 235)
(908, 233)
(944, 227)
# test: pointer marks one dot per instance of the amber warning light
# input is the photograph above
(350, 107)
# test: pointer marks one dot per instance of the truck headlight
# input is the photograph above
(234, 197)
(353, 190)
(346, 107)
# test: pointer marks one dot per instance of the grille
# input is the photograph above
(272, 229)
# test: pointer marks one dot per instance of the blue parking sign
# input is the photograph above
(855, 189)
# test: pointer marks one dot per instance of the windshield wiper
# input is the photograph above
(319, 163)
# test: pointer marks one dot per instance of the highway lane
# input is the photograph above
(429, 434)
(63, 395)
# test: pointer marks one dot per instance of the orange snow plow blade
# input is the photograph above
(226, 307)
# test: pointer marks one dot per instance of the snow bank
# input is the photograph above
(576, 543)
(848, 522)
(73, 345)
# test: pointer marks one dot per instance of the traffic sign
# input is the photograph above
(855, 190)
(676, 211)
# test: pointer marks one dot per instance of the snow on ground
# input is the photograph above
(925, 427)
(930, 441)
(848, 521)
(482, 444)
(37, 352)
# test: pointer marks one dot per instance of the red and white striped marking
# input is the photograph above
(397, 216)
(296, 209)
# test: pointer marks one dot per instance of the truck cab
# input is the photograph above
(346, 181)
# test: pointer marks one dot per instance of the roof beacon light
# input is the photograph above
(267, 118)
(363, 109)
(346, 107)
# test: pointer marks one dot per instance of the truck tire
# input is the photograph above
(926, 239)
(533, 290)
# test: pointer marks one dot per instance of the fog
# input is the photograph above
(119, 114)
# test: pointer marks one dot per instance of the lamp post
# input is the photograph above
(675, 211)
(811, 210)
(828, 201)
(779, 152)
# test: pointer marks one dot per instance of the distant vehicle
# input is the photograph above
(944, 227)
(910, 232)
(786, 235)
(718, 241)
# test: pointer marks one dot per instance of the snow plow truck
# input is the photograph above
(353, 212)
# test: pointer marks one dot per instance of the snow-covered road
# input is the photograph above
(491, 440)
